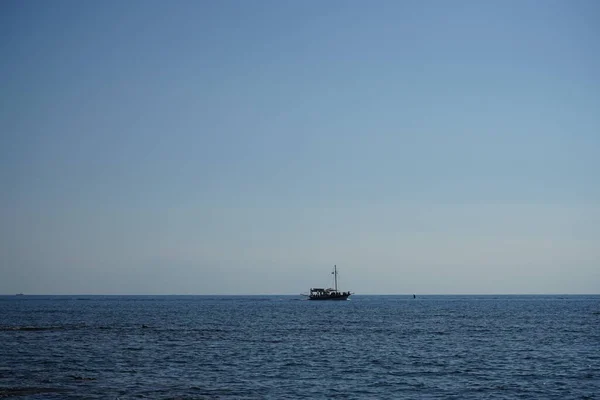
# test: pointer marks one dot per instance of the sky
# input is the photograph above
(245, 147)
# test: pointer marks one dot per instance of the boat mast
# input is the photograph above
(335, 276)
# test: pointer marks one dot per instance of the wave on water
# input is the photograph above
(27, 391)
(31, 328)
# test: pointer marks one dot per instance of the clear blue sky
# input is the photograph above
(204, 147)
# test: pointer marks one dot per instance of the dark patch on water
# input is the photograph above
(81, 378)
(31, 328)
(27, 391)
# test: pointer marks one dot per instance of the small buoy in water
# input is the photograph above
(414, 296)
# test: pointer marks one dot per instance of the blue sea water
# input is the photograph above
(283, 347)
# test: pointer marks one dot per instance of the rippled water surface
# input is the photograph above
(275, 347)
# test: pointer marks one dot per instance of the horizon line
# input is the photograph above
(291, 294)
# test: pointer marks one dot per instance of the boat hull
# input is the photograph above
(322, 298)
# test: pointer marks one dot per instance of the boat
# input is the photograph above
(330, 293)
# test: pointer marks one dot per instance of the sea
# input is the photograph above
(286, 347)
